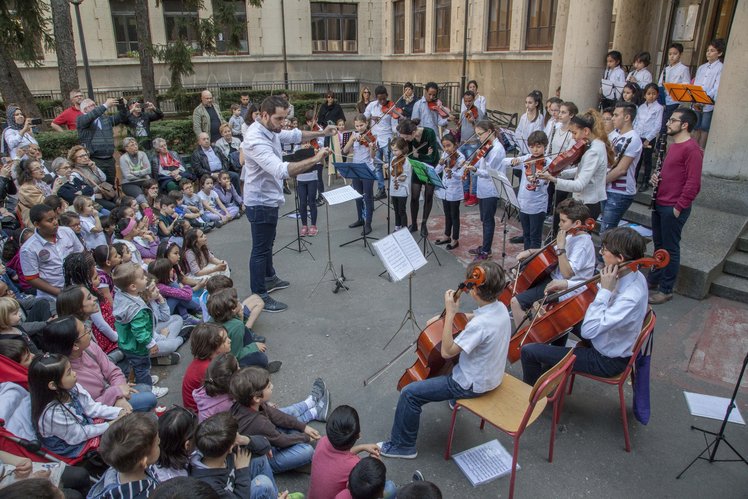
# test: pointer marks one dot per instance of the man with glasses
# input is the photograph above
(68, 116)
(677, 185)
(96, 132)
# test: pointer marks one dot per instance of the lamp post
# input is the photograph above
(86, 67)
(285, 60)
(464, 50)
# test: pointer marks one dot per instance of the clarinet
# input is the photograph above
(661, 148)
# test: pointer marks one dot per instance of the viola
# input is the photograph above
(531, 169)
(390, 108)
(567, 158)
(366, 139)
(429, 362)
(562, 315)
(436, 105)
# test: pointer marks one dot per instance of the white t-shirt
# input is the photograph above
(580, 251)
(484, 344)
(403, 187)
(453, 191)
(626, 184)
(211, 198)
(531, 202)
(92, 239)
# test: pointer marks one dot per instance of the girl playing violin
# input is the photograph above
(400, 173)
(575, 253)
(451, 164)
(363, 152)
(482, 347)
(612, 322)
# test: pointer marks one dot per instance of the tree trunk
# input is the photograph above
(14, 89)
(67, 66)
(145, 51)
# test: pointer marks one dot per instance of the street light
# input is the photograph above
(86, 67)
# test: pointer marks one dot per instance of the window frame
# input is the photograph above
(505, 33)
(540, 37)
(443, 10)
(175, 16)
(398, 24)
(326, 20)
(418, 20)
(127, 14)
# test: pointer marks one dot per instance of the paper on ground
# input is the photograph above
(485, 462)
(399, 254)
(709, 406)
(341, 195)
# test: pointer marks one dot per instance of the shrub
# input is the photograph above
(177, 133)
(55, 144)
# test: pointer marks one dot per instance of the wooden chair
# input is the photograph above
(647, 327)
(515, 405)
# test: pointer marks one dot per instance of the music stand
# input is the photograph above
(506, 193)
(427, 175)
(610, 85)
(358, 171)
(692, 94)
(719, 437)
(300, 242)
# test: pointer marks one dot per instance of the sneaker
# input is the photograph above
(191, 321)
(154, 379)
(217, 224)
(323, 407)
(658, 298)
(474, 251)
(413, 227)
(388, 449)
(318, 389)
(159, 391)
(313, 230)
(472, 201)
(482, 257)
(275, 283)
(452, 403)
(417, 476)
(357, 223)
(167, 360)
(548, 220)
(273, 306)
(517, 239)
(274, 366)
(304, 231)
(185, 332)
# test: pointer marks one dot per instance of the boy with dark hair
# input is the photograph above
(336, 454)
(419, 490)
(130, 446)
(533, 192)
(231, 474)
(366, 481)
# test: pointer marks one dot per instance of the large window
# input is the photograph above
(419, 25)
(180, 21)
(232, 37)
(541, 22)
(499, 24)
(334, 27)
(443, 13)
(125, 34)
(398, 11)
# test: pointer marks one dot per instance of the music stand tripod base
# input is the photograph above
(338, 280)
(428, 249)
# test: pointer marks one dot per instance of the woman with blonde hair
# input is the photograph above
(86, 170)
(364, 100)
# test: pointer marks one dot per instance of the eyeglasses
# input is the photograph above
(86, 332)
(603, 249)
(84, 155)
(674, 120)
(366, 92)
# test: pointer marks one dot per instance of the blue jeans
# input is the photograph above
(382, 156)
(141, 365)
(263, 221)
(144, 400)
(532, 229)
(613, 209)
(263, 483)
(413, 398)
(365, 206)
(487, 208)
(537, 358)
(300, 411)
(182, 308)
(292, 457)
(467, 150)
(307, 191)
(666, 233)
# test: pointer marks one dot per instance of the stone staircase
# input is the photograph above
(733, 283)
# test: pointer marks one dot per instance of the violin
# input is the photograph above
(562, 315)
(390, 108)
(429, 362)
(473, 111)
(367, 138)
(436, 105)
(568, 158)
(479, 154)
(531, 169)
(396, 168)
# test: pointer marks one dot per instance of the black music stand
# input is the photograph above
(711, 448)
(506, 193)
(427, 174)
(358, 171)
(300, 243)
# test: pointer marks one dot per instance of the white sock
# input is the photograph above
(313, 412)
(309, 402)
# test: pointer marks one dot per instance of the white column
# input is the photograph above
(559, 41)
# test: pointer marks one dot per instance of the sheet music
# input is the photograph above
(709, 406)
(410, 248)
(504, 187)
(341, 195)
(394, 260)
(485, 462)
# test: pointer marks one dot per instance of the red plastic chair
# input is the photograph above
(514, 405)
(647, 327)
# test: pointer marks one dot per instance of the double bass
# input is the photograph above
(562, 315)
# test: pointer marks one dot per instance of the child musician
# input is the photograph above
(640, 74)
(575, 253)
(647, 124)
(400, 173)
(612, 322)
(611, 90)
(451, 164)
(362, 153)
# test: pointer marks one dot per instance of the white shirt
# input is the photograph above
(708, 76)
(479, 102)
(92, 239)
(403, 187)
(614, 320)
(14, 140)
(559, 141)
(58, 422)
(209, 198)
(588, 184)
(361, 153)
(531, 202)
(642, 77)
(385, 128)
(43, 259)
(484, 344)
(492, 161)
(429, 119)
(678, 73)
(626, 184)
(264, 168)
(525, 128)
(580, 251)
(616, 76)
(453, 191)
(648, 121)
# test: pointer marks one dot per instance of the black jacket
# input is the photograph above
(228, 482)
(144, 120)
(200, 165)
(330, 113)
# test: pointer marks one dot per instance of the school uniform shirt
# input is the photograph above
(559, 140)
(580, 251)
(524, 128)
(492, 161)
(531, 202)
(679, 73)
(648, 121)
(385, 128)
(92, 239)
(708, 76)
(618, 77)
(403, 188)
(484, 344)
(453, 191)
(588, 182)
(362, 153)
(467, 129)
(264, 169)
(43, 259)
(614, 319)
(626, 184)
(642, 77)
(479, 102)
(429, 119)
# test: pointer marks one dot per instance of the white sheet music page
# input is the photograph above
(393, 258)
(485, 462)
(409, 246)
(341, 195)
(504, 187)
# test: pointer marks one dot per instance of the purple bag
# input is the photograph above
(640, 383)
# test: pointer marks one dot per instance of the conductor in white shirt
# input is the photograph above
(264, 172)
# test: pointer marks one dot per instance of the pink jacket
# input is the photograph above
(98, 375)
(184, 293)
(207, 406)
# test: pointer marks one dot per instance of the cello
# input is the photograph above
(562, 315)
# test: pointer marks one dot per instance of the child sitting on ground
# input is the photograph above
(213, 209)
(106, 258)
(213, 397)
(197, 260)
(285, 428)
(178, 296)
(17, 351)
(125, 233)
(130, 446)
(368, 480)
(173, 252)
(227, 194)
(189, 213)
(169, 330)
(252, 306)
(93, 233)
(207, 341)
(176, 431)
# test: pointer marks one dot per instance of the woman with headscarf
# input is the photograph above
(19, 133)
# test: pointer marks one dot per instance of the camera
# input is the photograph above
(36, 121)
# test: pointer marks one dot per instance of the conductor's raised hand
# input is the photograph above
(451, 306)
(330, 130)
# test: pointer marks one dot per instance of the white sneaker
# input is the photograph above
(159, 391)
(154, 379)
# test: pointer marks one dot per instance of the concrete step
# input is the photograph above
(737, 264)
(743, 242)
(639, 214)
(643, 197)
(730, 287)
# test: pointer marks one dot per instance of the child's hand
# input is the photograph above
(371, 449)
(313, 434)
(40, 474)
(222, 266)
(242, 458)
(23, 468)
(283, 495)
(261, 346)
(124, 412)
(153, 351)
(165, 331)
(561, 239)
(515, 161)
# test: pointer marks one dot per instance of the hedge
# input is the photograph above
(54, 144)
